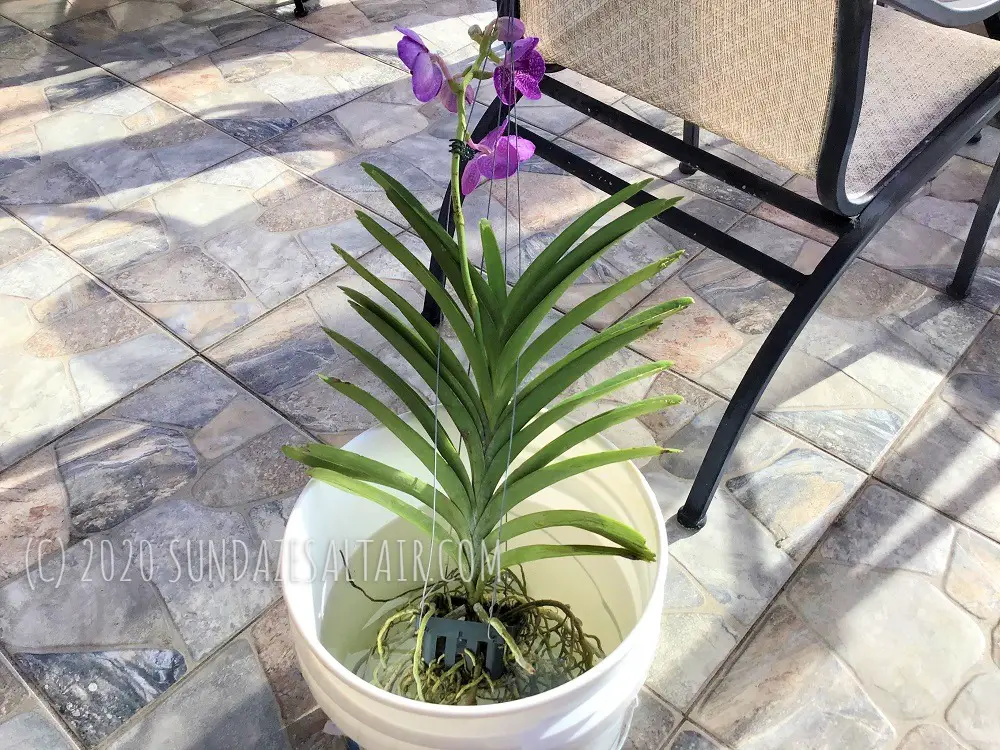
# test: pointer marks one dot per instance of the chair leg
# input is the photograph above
(972, 253)
(300, 9)
(777, 344)
(692, 135)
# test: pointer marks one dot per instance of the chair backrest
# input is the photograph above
(765, 74)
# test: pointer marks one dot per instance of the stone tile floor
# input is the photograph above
(172, 174)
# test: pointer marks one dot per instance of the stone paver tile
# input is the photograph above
(973, 579)
(35, 511)
(804, 187)
(996, 645)
(272, 640)
(861, 611)
(69, 603)
(137, 38)
(776, 498)
(307, 734)
(692, 737)
(973, 715)
(40, 14)
(77, 165)
(788, 689)
(950, 457)
(925, 240)
(870, 357)
(16, 240)
(279, 356)
(929, 737)
(32, 731)
(652, 723)
(97, 692)
(368, 25)
(225, 703)
(38, 78)
(12, 691)
(885, 529)
(68, 347)
(261, 87)
(214, 252)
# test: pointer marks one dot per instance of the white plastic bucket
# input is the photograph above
(610, 594)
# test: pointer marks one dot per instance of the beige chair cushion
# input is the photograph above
(755, 71)
(758, 72)
(917, 74)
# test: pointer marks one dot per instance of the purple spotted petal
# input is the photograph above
(409, 47)
(523, 48)
(525, 149)
(473, 173)
(527, 85)
(504, 161)
(503, 82)
(490, 141)
(427, 78)
(509, 29)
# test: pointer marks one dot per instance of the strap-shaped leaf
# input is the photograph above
(596, 523)
(424, 365)
(438, 241)
(576, 435)
(547, 291)
(410, 398)
(531, 552)
(440, 294)
(538, 480)
(404, 510)
(540, 392)
(493, 260)
(411, 347)
(641, 321)
(566, 239)
(550, 416)
(459, 491)
(555, 333)
(356, 466)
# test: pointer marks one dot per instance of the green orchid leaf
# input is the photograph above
(404, 510)
(553, 414)
(577, 434)
(531, 552)
(609, 528)
(439, 293)
(356, 466)
(566, 239)
(555, 333)
(538, 301)
(493, 260)
(451, 482)
(411, 400)
(513, 493)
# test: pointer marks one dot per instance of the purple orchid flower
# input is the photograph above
(509, 30)
(522, 69)
(449, 99)
(427, 76)
(498, 157)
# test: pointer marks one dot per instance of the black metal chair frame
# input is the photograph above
(854, 221)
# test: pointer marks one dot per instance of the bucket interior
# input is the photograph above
(608, 593)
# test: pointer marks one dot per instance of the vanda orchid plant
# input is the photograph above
(494, 410)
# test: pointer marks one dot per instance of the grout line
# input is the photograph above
(37, 699)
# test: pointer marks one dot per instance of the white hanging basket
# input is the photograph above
(618, 600)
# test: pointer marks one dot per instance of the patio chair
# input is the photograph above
(866, 100)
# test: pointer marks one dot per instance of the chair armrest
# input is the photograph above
(949, 12)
